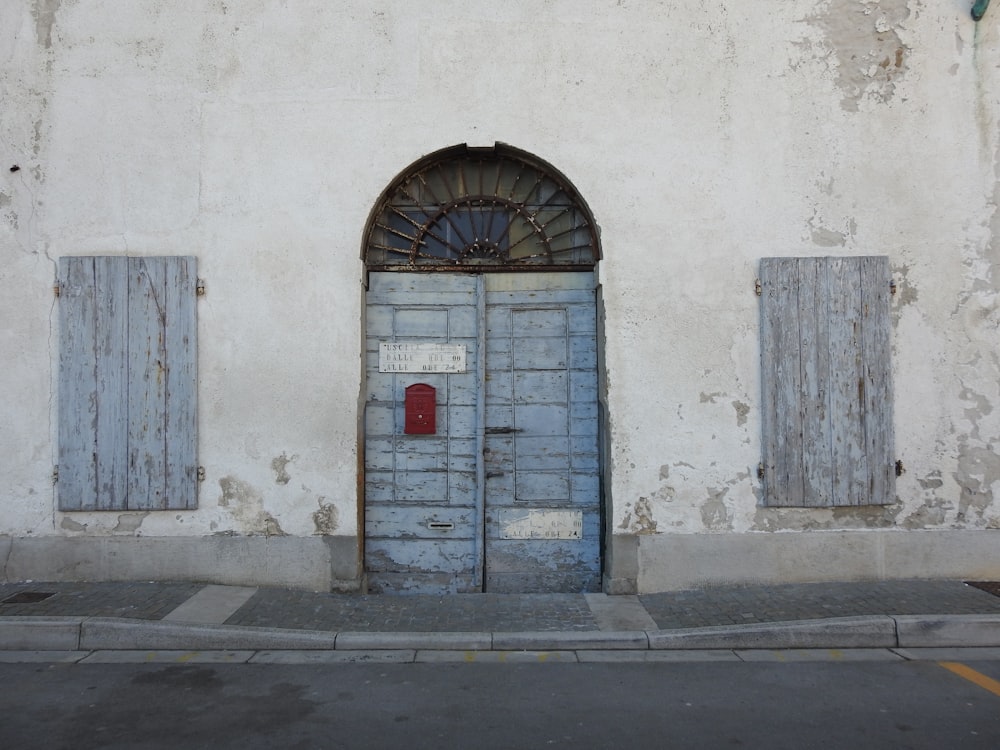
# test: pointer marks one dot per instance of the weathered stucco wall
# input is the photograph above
(871, 130)
(257, 135)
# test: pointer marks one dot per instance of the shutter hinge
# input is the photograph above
(757, 288)
(760, 471)
(55, 474)
(55, 288)
(199, 287)
(892, 287)
(900, 469)
(201, 473)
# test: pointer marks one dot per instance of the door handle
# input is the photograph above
(493, 474)
(502, 430)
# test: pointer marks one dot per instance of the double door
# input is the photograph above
(504, 494)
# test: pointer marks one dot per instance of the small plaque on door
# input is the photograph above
(537, 523)
(406, 356)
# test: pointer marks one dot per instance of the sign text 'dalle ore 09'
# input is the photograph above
(420, 357)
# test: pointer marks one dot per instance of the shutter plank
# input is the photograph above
(147, 385)
(77, 386)
(876, 354)
(847, 403)
(111, 367)
(814, 345)
(181, 429)
(781, 379)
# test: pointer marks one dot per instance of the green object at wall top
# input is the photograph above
(979, 9)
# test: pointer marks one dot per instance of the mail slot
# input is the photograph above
(421, 405)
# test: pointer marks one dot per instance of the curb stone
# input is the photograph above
(875, 631)
(110, 634)
(25, 633)
(571, 641)
(916, 631)
(462, 641)
(40, 633)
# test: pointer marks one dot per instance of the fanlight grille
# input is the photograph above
(491, 209)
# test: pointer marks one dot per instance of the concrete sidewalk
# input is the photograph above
(107, 617)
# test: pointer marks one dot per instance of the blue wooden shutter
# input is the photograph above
(127, 383)
(827, 381)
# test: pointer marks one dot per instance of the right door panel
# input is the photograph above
(542, 494)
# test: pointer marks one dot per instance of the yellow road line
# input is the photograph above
(987, 683)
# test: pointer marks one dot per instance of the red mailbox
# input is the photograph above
(421, 405)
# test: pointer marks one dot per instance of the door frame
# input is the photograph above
(546, 209)
(479, 562)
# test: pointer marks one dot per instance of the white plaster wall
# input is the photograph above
(808, 146)
(257, 135)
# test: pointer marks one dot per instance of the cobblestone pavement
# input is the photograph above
(141, 601)
(415, 613)
(714, 605)
(737, 605)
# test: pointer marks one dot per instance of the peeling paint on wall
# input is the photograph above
(246, 504)
(906, 292)
(979, 409)
(129, 523)
(69, 524)
(935, 509)
(9, 215)
(280, 467)
(826, 519)
(870, 53)
(931, 513)
(742, 411)
(825, 237)
(325, 519)
(978, 471)
(714, 513)
(638, 519)
(45, 18)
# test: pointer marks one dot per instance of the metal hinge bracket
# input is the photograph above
(892, 287)
(55, 289)
(199, 287)
(900, 469)
(201, 473)
(760, 470)
(55, 474)
(757, 289)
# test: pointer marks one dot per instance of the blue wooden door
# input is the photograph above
(505, 495)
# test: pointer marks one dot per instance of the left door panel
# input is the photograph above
(422, 496)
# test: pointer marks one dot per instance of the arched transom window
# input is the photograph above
(481, 209)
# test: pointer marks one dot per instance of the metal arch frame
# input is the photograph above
(413, 232)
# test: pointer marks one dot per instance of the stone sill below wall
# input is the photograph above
(674, 562)
(319, 563)
(636, 564)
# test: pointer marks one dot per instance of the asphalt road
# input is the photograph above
(479, 706)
